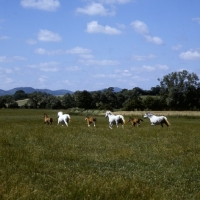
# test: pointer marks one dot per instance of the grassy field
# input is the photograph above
(38, 161)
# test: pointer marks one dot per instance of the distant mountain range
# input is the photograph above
(29, 90)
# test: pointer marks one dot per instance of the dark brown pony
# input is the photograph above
(47, 120)
(90, 120)
(135, 121)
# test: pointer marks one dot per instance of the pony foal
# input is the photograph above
(47, 120)
(90, 120)
(135, 121)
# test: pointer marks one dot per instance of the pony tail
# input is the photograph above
(167, 122)
(124, 121)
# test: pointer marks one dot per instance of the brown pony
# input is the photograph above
(47, 119)
(135, 121)
(90, 120)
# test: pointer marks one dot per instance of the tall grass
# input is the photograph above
(39, 161)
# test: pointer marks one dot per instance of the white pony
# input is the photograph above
(115, 119)
(155, 120)
(63, 118)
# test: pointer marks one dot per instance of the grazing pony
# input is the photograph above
(90, 120)
(47, 120)
(115, 119)
(155, 120)
(135, 121)
(63, 118)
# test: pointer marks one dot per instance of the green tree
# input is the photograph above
(83, 99)
(177, 88)
(2, 102)
(153, 103)
(68, 101)
(19, 95)
(38, 99)
(10, 102)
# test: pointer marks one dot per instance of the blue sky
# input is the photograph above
(91, 45)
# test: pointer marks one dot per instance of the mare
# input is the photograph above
(90, 120)
(115, 119)
(155, 120)
(63, 118)
(135, 121)
(47, 120)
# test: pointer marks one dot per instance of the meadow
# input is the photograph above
(39, 161)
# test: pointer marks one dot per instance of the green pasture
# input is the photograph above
(39, 161)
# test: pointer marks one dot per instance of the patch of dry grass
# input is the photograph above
(165, 113)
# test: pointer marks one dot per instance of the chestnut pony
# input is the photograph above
(135, 121)
(90, 120)
(47, 120)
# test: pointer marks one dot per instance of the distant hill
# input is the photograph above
(29, 90)
(115, 89)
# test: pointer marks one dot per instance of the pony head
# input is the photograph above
(108, 113)
(60, 114)
(147, 115)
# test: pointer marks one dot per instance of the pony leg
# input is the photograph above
(66, 122)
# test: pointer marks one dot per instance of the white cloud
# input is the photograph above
(177, 47)
(197, 19)
(4, 37)
(115, 1)
(141, 58)
(11, 59)
(190, 55)
(79, 50)
(142, 28)
(94, 27)
(75, 68)
(31, 41)
(99, 62)
(3, 59)
(148, 68)
(95, 9)
(9, 80)
(47, 5)
(124, 72)
(48, 36)
(76, 50)
(49, 69)
(162, 67)
(46, 66)
(155, 39)
(43, 79)
(121, 26)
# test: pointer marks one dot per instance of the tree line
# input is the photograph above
(177, 91)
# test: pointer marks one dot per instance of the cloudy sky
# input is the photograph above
(91, 45)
